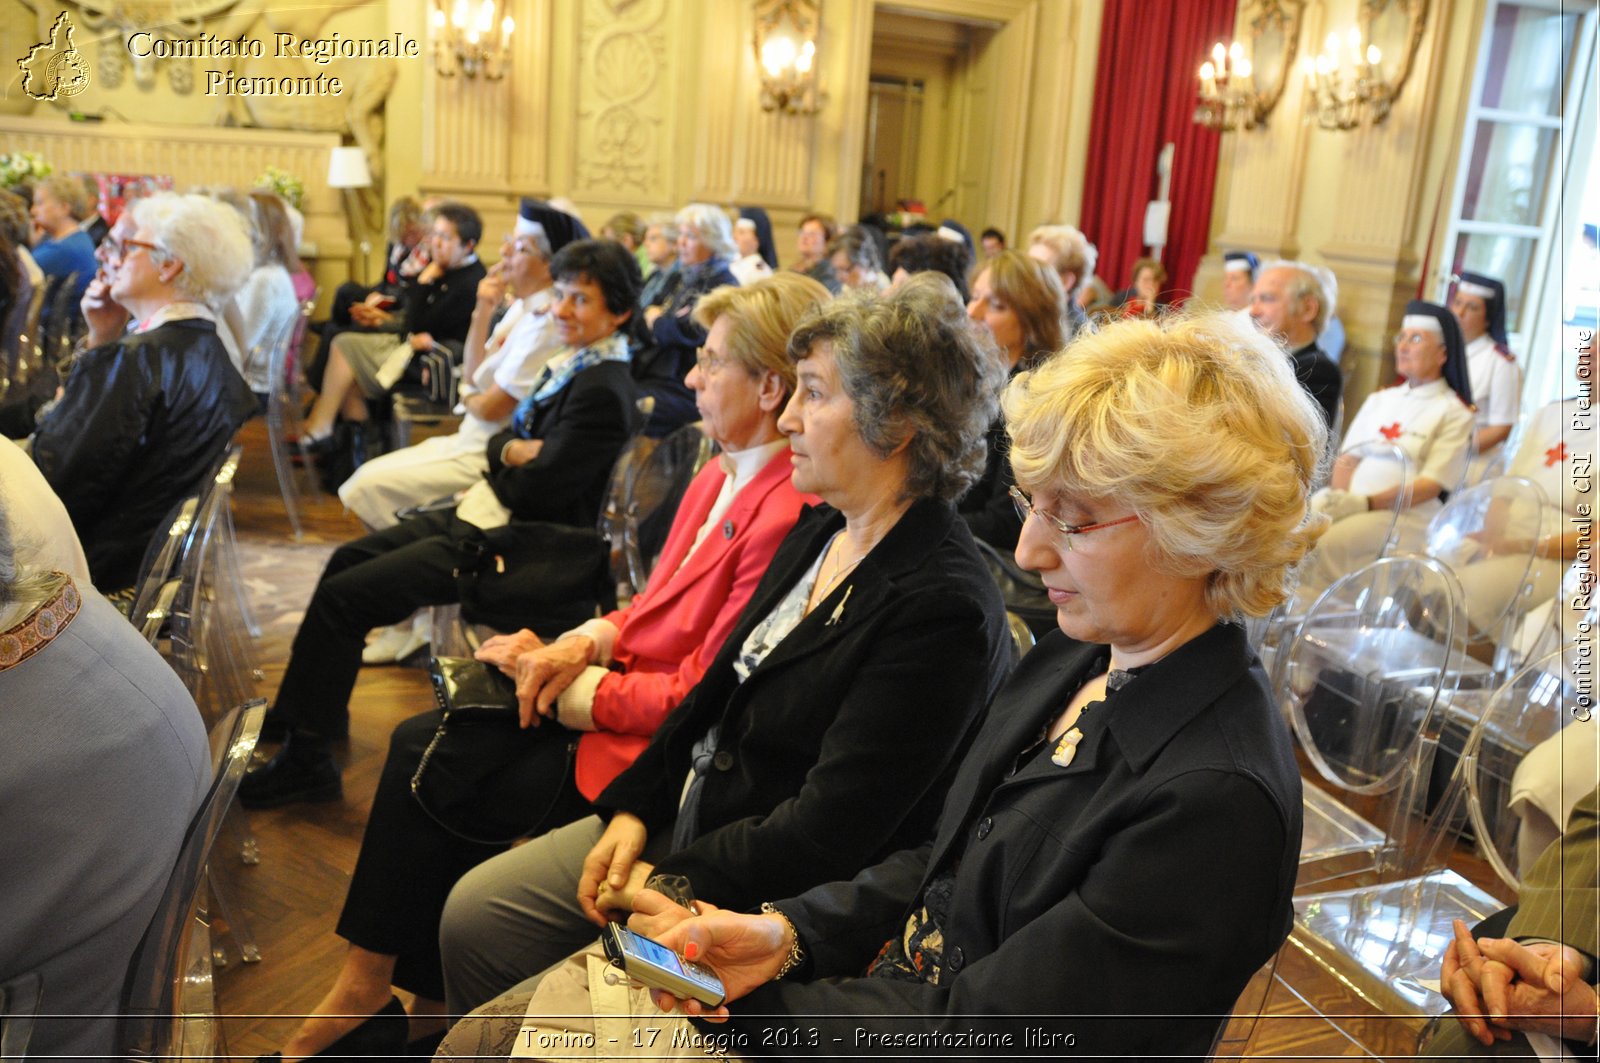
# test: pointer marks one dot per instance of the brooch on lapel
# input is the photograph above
(838, 610)
(727, 529)
(1066, 748)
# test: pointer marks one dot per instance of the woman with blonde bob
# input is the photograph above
(1122, 838)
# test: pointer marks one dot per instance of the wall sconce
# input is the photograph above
(1347, 86)
(348, 172)
(1241, 84)
(471, 42)
(786, 48)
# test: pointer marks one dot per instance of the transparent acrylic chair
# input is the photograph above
(653, 490)
(1489, 535)
(1274, 632)
(1530, 708)
(1360, 682)
(168, 1006)
(1378, 668)
(283, 414)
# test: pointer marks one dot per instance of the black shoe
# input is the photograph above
(383, 1034)
(289, 777)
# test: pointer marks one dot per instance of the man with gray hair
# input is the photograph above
(1289, 304)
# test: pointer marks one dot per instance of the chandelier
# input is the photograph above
(786, 48)
(1228, 98)
(1345, 86)
(471, 40)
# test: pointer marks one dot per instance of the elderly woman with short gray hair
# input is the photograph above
(705, 247)
(820, 738)
(145, 416)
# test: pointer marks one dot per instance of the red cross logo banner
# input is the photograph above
(1391, 432)
(1555, 454)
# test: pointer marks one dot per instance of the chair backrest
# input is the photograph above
(1574, 611)
(62, 321)
(162, 560)
(150, 998)
(19, 1007)
(652, 492)
(1380, 450)
(1363, 678)
(1527, 709)
(1499, 519)
(207, 645)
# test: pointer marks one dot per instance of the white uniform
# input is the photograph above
(1496, 392)
(1433, 427)
(1557, 452)
(749, 269)
(521, 343)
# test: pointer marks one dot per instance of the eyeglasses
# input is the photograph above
(1026, 508)
(1413, 338)
(154, 249)
(708, 363)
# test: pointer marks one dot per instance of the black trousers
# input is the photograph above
(374, 581)
(411, 855)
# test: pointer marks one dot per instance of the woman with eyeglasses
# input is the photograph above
(1116, 854)
(1429, 416)
(144, 416)
(825, 733)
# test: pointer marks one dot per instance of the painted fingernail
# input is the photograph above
(691, 951)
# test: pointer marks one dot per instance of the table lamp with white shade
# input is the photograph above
(348, 171)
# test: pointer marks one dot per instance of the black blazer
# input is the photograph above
(1148, 879)
(838, 748)
(584, 427)
(1321, 379)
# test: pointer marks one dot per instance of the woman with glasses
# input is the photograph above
(144, 416)
(1429, 416)
(1116, 854)
(825, 733)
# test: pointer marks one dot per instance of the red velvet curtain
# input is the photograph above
(1145, 93)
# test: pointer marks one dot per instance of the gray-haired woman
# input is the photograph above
(820, 737)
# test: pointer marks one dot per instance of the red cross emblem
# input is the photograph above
(1391, 432)
(1555, 454)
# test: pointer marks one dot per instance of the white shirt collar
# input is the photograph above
(743, 465)
(1429, 388)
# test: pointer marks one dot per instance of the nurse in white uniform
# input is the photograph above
(1429, 417)
(1557, 452)
(1479, 304)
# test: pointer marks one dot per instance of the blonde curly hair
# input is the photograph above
(1198, 425)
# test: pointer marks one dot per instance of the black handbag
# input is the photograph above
(532, 574)
(478, 736)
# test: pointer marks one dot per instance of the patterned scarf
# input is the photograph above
(559, 371)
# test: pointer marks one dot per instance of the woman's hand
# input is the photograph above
(654, 913)
(651, 314)
(543, 673)
(746, 952)
(502, 651)
(492, 288)
(620, 899)
(610, 862)
(520, 452)
(369, 316)
(107, 319)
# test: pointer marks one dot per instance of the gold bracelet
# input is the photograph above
(796, 953)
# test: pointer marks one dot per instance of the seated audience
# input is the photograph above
(591, 698)
(1556, 451)
(1528, 990)
(1131, 801)
(816, 233)
(758, 255)
(1429, 417)
(268, 305)
(1288, 303)
(501, 365)
(1143, 296)
(705, 245)
(662, 278)
(63, 249)
(1238, 278)
(368, 308)
(993, 241)
(144, 417)
(106, 762)
(438, 311)
(1068, 252)
(1479, 304)
(929, 253)
(1018, 302)
(550, 466)
(822, 736)
(853, 255)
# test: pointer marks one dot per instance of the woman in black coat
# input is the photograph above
(820, 739)
(1117, 853)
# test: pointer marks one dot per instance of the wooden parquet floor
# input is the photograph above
(291, 899)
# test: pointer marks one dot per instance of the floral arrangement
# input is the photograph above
(283, 184)
(17, 167)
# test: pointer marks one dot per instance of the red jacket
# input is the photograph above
(669, 635)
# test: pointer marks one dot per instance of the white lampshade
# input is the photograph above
(347, 168)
